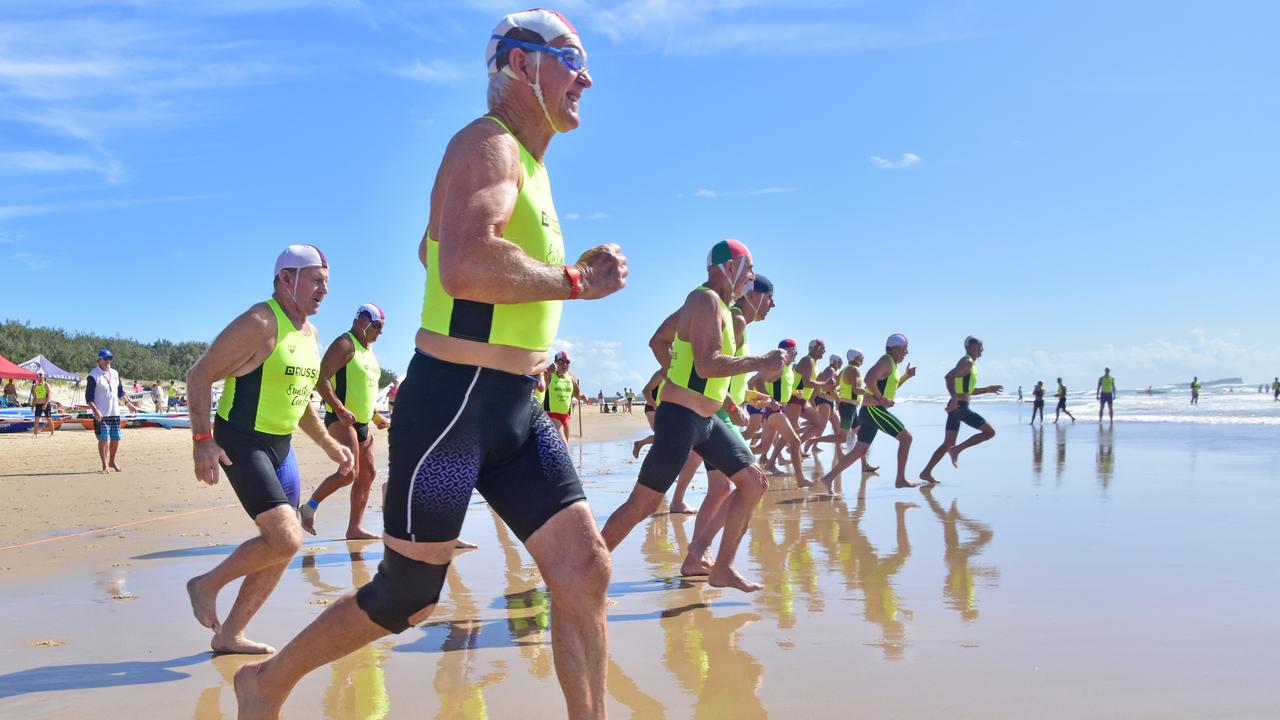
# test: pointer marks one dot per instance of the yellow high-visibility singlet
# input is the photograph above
(964, 385)
(559, 394)
(273, 396)
(683, 372)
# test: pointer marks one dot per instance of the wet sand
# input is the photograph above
(1061, 572)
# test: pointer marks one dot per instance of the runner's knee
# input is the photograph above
(402, 589)
(584, 574)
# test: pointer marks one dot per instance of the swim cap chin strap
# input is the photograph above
(737, 275)
(537, 90)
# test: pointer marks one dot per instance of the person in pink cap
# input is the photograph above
(348, 384)
(465, 420)
(562, 390)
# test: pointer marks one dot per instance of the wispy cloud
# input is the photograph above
(42, 161)
(598, 364)
(433, 72)
(907, 160)
(705, 193)
(592, 216)
(31, 261)
(9, 212)
(598, 216)
(572, 216)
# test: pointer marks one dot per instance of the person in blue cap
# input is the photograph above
(104, 391)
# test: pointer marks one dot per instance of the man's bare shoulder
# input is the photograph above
(483, 142)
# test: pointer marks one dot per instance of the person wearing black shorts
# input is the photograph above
(1062, 404)
(962, 384)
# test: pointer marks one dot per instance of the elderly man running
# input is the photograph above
(270, 361)
(466, 417)
(962, 384)
(348, 384)
(883, 381)
(704, 359)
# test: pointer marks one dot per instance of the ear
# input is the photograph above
(520, 62)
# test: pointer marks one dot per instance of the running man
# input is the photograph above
(962, 385)
(348, 384)
(704, 359)
(883, 381)
(103, 390)
(1062, 404)
(41, 404)
(1195, 390)
(269, 358)
(779, 387)
(1019, 393)
(562, 390)
(1037, 402)
(808, 384)
(495, 287)
(1275, 389)
(1105, 395)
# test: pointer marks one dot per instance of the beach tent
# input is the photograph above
(51, 371)
(17, 372)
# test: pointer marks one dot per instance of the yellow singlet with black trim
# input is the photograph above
(1107, 384)
(806, 390)
(682, 371)
(356, 383)
(784, 387)
(844, 391)
(888, 386)
(738, 383)
(559, 394)
(535, 228)
(41, 392)
(965, 384)
(273, 396)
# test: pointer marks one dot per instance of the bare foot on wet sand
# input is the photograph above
(905, 483)
(239, 645)
(250, 704)
(955, 457)
(928, 479)
(731, 578)
(356, 534)
(870, 469)
(461, 544)
(307, 518)
(682, 508)
(635, 448)
(696, 567)
(203, 604)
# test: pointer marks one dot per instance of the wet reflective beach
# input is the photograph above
(1065, 571)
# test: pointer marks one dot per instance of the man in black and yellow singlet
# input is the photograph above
(1062, 403)
(1105, 395)
(348, 384)
(962, 384)
(778, 430)
(269, 360)
(465, 417)
(41, 404)
(882, 383)
(703, 361)
(562, 390)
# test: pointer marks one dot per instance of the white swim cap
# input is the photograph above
(814, 343)
(539, 26)
(896, 340)
(853, 354)
(373, 312)
(300, 256)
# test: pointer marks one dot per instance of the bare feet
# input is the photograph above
(682, 508)
(730, 578)
(461, 544)
(635, 448)
(239, 645)
(905, 483)
(356, 534)
(203, 604)
(696, 567)
(870, 469)
(772, 469)
(250, 704)
(955, 457)
(928, 478)
(115, 467)
(307, 517)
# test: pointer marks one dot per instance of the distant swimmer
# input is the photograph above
(962, 385)
(882, 383)
(562, 390)
(496, 282)
(1195, 390)
(1106, 394)
(1019, 393)
(1062, 404)
(269, 359)
(1037, 402)
(704, 359)
(348, 384)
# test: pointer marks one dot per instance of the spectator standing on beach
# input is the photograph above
(269, 361)
(104, 391)
(173, 396)
(157, 396)
(631, 397)
(41, 403)
(1019, 393)
(1195, 390)
(137, 387)
(562, 390)
(10, 394)
(496, 281)
(1106, 394)
(600, 400)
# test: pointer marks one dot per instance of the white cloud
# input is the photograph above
(573, 216)
(433, 72)
(771, 191)
(598, 216)
(8, 212)
(907, 160)
(598, 366)
(41, 161)
(704, 193)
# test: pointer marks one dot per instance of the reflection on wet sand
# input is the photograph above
(703, 655)
(1106, 456)
(959, 588)
(1037, 453)
(1060, 435)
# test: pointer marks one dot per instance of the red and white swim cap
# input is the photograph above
(539, 26)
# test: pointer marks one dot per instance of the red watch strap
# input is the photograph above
(575, 280)
(197, 437)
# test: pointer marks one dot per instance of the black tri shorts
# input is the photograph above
(1062, 402)
(963, 415)
(263, 470)
(873, 419)
(848, 415)
(677, 430)
(362, 429)
(462, 428)
(819, 400)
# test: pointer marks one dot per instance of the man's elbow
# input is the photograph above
(458, 282)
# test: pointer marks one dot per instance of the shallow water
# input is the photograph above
(1064, 571)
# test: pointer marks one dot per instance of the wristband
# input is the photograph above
(575, 280)
(197, 437)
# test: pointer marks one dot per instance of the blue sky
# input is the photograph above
(1080, 184)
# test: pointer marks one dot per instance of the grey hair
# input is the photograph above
(498, 84)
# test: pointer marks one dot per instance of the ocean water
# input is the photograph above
(1225, 404)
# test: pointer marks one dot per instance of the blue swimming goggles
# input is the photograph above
(570, 57)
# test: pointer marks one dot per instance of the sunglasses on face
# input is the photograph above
(570, 57)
